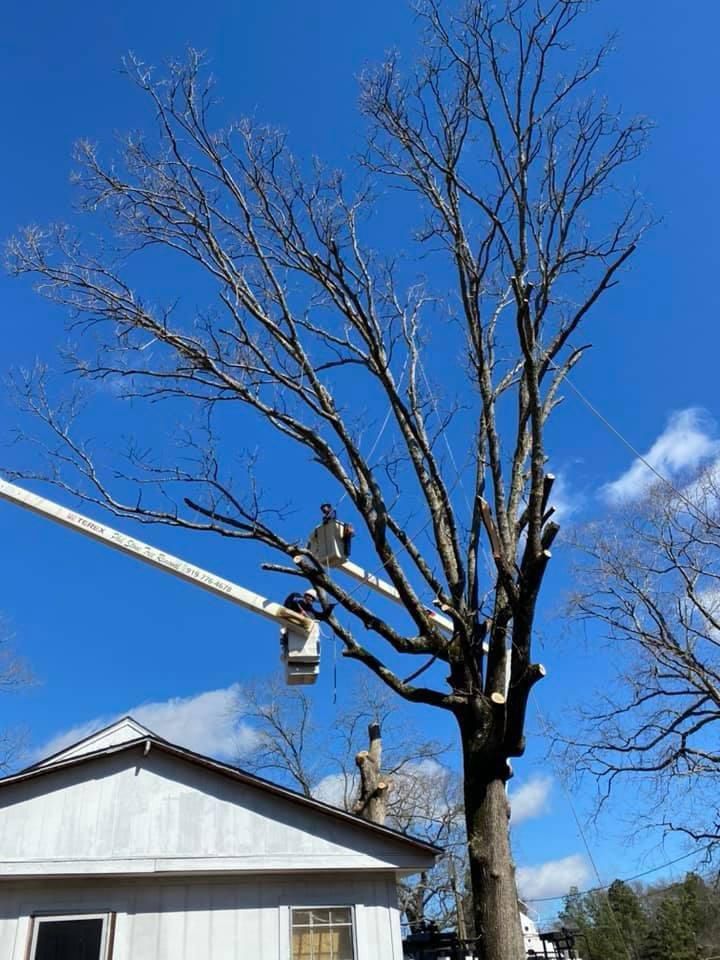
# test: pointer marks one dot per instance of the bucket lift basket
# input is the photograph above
(300, 652)
(329, 543)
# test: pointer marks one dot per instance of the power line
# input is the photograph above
(601, 886)
(433, 401)
(694, 507)
(458, 475)
(637, 876)
(582, 833)
(623, 439)
(385, 422)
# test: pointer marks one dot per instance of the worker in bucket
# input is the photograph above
(329, 514)
(305, 603)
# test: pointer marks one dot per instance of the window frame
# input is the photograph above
(325, 906)
(108, 928)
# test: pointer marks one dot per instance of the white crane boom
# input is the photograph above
(151, 555)
(386, 589)
(380, 586)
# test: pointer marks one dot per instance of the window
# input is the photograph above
(70, 938)
(322, 934)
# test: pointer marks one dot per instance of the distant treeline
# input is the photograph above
(680, 921)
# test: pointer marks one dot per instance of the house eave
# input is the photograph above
(195, 867)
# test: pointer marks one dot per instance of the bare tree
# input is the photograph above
(427, 799)
(423, 794)
(651, 581)
(287, 745)
(515, 168)
(14, 675)
(291, 744)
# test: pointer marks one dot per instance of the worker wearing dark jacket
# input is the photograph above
(304, 603)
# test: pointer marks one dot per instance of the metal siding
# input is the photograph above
(129, 814)
(212, 920)
(171, 921)
(363, 925)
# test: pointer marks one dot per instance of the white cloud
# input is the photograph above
(333, 789)
(553, 878)
(704, 490)
(530, 800)
(685, 444)
(206, 723)
(424, 770)
(702, 613)
(422, 785)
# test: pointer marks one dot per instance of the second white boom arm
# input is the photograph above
(386, 589)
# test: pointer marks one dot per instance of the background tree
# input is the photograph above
(674, 928)
(676, 921)
(14, 675)
(610, 923)
(652, 583)
(424, 795)
(628, 917)
(514, 169)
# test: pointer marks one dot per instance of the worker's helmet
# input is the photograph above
(311, 594)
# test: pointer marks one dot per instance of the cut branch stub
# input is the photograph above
(519, 696)
(548, 484)
(373, 790)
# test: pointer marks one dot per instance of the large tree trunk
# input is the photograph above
(492, 871)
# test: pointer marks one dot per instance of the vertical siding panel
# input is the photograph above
(263, 898)
(380, 927)
(282, 927)
(197, 924)
(13, 927)
(138, 808)
(19, 941)
(144, 922)
(223, 944)
(364, 936)
(392, 919)
(98, 812)
(121, 943)
(8, 927)
(237, 925)
(124, 921)
(46, 834)
(171, 922)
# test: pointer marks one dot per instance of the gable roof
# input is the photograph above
(120, 731)
(107, 742)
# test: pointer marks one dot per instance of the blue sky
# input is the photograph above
(105, 635)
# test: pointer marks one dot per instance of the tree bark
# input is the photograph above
(492, 870)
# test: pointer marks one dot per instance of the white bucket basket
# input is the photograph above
(327, 543)
(301, 654)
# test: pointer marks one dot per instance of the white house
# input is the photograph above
(127, 847)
